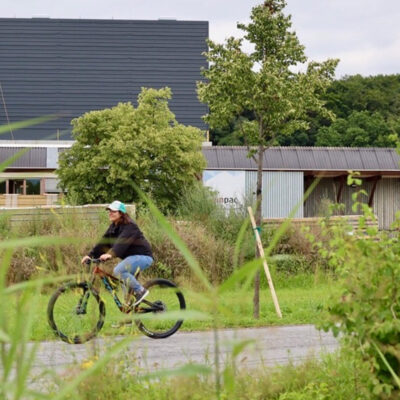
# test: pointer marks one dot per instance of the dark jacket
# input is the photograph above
(122, 241)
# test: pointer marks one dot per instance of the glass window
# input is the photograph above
(33, 186)
(2, 187)
(16, 186)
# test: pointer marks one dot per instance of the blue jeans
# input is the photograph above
(126, 269)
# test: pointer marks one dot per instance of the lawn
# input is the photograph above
(302, 300)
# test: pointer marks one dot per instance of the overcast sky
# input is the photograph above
(363, 34)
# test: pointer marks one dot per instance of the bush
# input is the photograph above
(213, 254)
(367, 313)
(200, 204)
(65, 258)
(295, 250)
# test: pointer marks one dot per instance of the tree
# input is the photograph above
(355, 99)
(118, 147)
(264, 83)
(359, 129)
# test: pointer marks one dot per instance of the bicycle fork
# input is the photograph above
(83, 301)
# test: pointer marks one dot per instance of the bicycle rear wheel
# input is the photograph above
(164, 296)
(75, 312)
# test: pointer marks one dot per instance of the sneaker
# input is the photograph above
(140, 296)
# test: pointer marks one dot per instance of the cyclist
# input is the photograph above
(124, 239)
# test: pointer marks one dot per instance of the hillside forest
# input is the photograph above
(367, 111)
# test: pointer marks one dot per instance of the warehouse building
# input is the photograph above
(67, 67)
(287, 173)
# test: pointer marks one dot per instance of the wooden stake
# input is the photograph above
(266, 269)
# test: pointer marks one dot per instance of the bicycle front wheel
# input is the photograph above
(75, 312)
(163, 297)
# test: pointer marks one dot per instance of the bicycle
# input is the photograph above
(76, 312)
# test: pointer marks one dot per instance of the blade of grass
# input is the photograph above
(388, 366)
(5, 164)
(37, 282)
(100, 363)
(239, 241)
(186, 370)
(239, 274)
(176, 240)
(38, 241)
(25, 124)
(283, 227)
(168, 315)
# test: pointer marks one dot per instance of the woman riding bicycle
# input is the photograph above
(124, 239)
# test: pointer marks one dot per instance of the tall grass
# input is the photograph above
(341, 376)
(107, 376)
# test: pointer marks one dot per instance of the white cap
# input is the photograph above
(117, 206)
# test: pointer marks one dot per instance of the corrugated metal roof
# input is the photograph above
(236, 158)
(33, 158)
(305, 158)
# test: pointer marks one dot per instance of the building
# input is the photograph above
(287, 173)
(70, 66)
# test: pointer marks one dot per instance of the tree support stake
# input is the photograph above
(262, 255)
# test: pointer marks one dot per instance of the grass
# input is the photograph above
(299, 305)
(338, 376)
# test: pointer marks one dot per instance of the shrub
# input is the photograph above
(213, 254)
(30, 261)
(368, 312)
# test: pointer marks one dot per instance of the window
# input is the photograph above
(29, 186)
(16, 186)
(33, 186)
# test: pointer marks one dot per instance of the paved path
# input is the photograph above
(273, 345)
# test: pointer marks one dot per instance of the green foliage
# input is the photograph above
(336, 377)
(212, 252)
(367, 312)
(277, 97)
(367, 109)
(119, 147)
(359, 129)
(380, 93)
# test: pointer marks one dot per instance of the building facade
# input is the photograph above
(287, 174)
(67, 67)
(289, 171)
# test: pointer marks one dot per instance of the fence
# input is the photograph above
(20, 200)
(351, 220)
(89, 212)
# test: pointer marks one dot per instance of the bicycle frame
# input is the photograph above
(111, 283)
(69, 304)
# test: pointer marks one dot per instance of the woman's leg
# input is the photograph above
(126, 270)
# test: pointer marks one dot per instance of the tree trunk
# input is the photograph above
(258, 217)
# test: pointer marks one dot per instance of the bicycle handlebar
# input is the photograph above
(93, 260)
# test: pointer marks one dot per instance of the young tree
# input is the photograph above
(264, 83)
(120, 146)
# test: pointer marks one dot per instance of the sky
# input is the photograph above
(363, 34)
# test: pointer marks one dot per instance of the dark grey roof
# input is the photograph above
(305, 159)
(235, 158)
(33, 158)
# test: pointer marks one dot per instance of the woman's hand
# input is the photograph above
(105, 257)
(84, 259)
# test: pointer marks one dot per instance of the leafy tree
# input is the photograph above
(360, 129)
(372, 96)
(118, 147)
(265, 84)
(380, 93)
